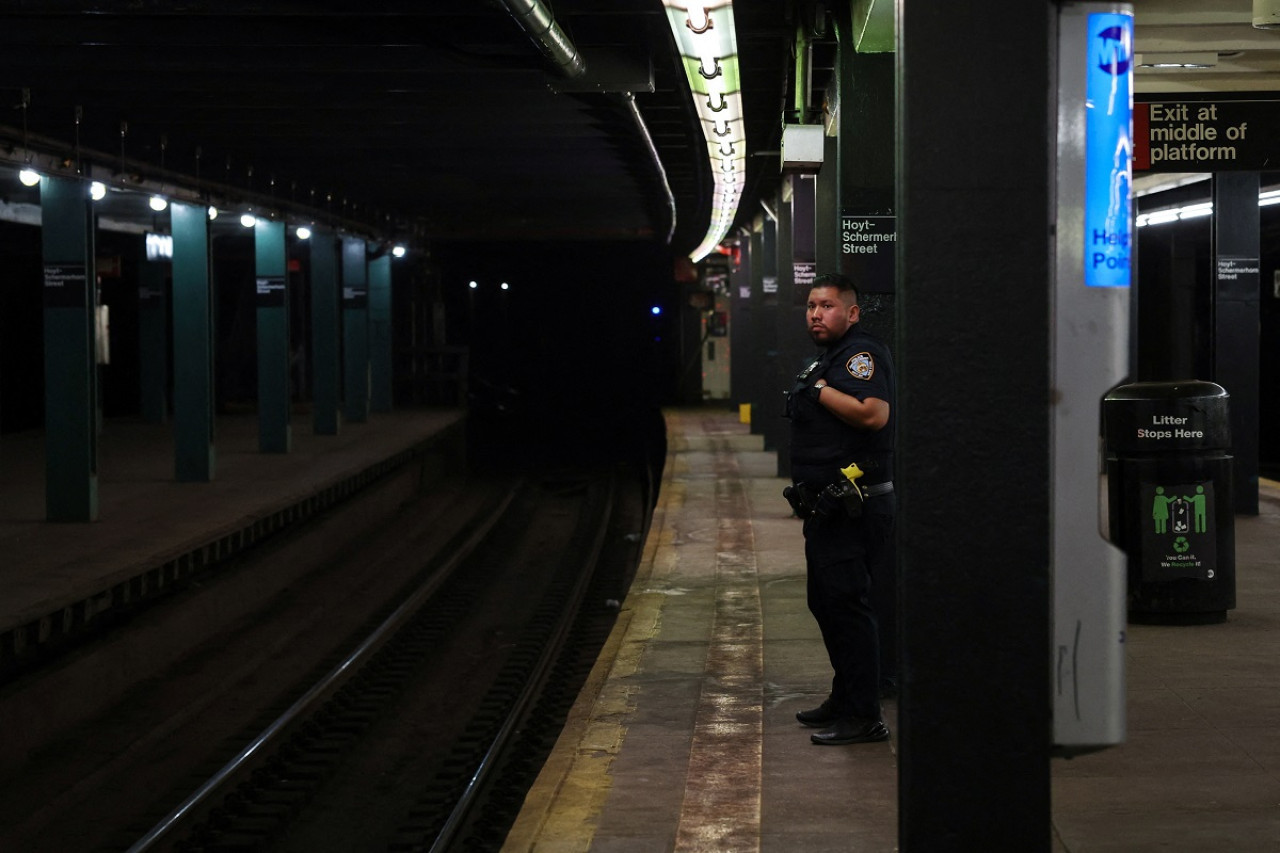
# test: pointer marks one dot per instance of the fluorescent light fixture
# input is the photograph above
(29, 177)
(398, 251)
(1184, 59)
(158, 203)
(303, 232)
(1192, 211)
(248, 220)
(704, 33)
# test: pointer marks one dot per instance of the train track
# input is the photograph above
(426, 733)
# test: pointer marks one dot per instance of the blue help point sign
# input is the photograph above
(1108, 150)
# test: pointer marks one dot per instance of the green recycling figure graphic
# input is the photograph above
(1160, 510)
(1198, 504)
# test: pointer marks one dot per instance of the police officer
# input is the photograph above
(841, 412)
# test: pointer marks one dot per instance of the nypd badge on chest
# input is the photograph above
(861, 366)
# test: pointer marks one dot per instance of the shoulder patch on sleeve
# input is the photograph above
(861, 366)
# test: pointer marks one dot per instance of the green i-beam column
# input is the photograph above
(355, 330)
(380, 334)
(153, 343)
(326, 380)
(70, 380)
(273, 337)
(193, 418)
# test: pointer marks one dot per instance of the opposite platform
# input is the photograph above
(684, 738)
(152, 530)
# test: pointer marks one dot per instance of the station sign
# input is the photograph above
(1206, 136)
(270, 291)
(64, 285)
(868, 246)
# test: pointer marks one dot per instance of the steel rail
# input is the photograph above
(321, 688)
(533, 684)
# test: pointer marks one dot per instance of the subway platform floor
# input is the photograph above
(684, 738)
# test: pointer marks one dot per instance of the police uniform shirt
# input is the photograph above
(821, 444)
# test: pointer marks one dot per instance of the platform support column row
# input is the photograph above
(326, 377)
(193, 409)
(355, 330)
(274, 435)
(153, 343)
(380, 354)
(70, 369)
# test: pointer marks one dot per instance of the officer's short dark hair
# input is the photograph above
(842, 283)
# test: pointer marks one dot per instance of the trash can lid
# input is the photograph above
(1182, 389)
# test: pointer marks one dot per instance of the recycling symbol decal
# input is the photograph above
(1181, 545)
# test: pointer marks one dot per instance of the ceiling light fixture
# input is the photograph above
(29, 177)
(704, 33)
(1194, 211)
(303, 232)
(1185, 59)
(398, 251)
(97, 190)
(158, 203)
(248, 220)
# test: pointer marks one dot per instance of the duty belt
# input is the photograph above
(878, 489)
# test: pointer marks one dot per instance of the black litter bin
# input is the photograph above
(1170, 501)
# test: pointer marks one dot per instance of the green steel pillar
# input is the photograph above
(380, 356)
(153, 343)
(273, 337)
(326, 380)
(193, 414)
(70, 372)
(355, 330)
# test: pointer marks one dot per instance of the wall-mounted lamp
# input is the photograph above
(473, 285)
(158, 203)
(398, 251)
(303, 232)
(248, 220)
(213, 213)
(29, 177)
(97, 190)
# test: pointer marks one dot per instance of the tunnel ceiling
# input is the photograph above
(440, 118)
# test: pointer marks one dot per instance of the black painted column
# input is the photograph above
(974, 267)
(765, 333)
(741, 342)
(780, 369)
(1236, 312)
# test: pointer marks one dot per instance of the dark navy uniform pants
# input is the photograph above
(840, 553)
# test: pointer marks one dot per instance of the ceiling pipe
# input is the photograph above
(629, 99)
(536, 19)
